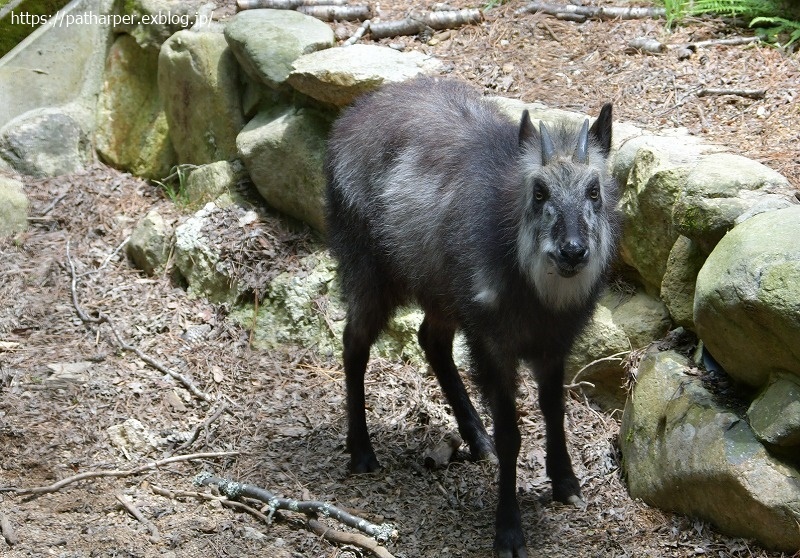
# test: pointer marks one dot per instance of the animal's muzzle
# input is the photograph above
(570, 258)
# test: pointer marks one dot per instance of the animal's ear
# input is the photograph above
(527, 131)
(601, 130)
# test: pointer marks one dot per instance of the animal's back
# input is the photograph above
(408, 164)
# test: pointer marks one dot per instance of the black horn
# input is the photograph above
(582, 150)
(548, 150)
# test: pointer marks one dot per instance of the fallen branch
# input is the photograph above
(285, 4)
(570, 11)
(337, 13)
(749, 93)
(385, 29)
(417, 22)
(55, 487)
(355, 37)
(449, 19)
(355, 539)
(655, 46)
(332, 535)
(232, 489)
(155, 536)
(646, 44)
(103, 318)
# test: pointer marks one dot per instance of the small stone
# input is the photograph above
(149, 244)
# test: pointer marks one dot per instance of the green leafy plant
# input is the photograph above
(493, 4)
(776, 16)
(174, 185)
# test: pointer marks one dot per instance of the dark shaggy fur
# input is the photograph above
(492, 227)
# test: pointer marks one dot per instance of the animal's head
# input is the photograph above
(568, 202)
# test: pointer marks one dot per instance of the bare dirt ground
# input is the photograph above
(283, 410)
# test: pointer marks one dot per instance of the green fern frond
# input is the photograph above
(778, 26)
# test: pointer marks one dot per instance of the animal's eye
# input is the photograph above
(539, 192)
(594, 193)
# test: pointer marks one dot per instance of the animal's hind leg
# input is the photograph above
(436, 339)
(364, 324)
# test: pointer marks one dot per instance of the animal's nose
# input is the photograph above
(573, 252)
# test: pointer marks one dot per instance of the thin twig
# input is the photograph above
(332, 535)
(615, 357)
(358, 34)
(50, 207)
(580, 385)
(103, 318)
(134, 511)
(202, 426)
(203, 496)
(108, 258)
(728, 41)
(55, 487)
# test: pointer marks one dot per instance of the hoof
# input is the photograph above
(366, 463)
(567, 491)
(483, 450)
(518, 552)
(576, 501)
(510, 543)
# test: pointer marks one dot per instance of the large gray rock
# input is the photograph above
(283, 149)
(13, 207)
(266, 42)
(654, 182)
(748, 295)
(131, 131)
(339, 75)
(46, 142)
(56, 64)
(719, 188)
(680, 277)
(675, 185)
(621, 322)
(198, 78)
(684, 450)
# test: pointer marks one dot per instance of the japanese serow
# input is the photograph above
(496, 228)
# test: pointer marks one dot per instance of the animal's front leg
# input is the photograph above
(566, 488)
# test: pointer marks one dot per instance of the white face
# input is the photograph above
(564, 240)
